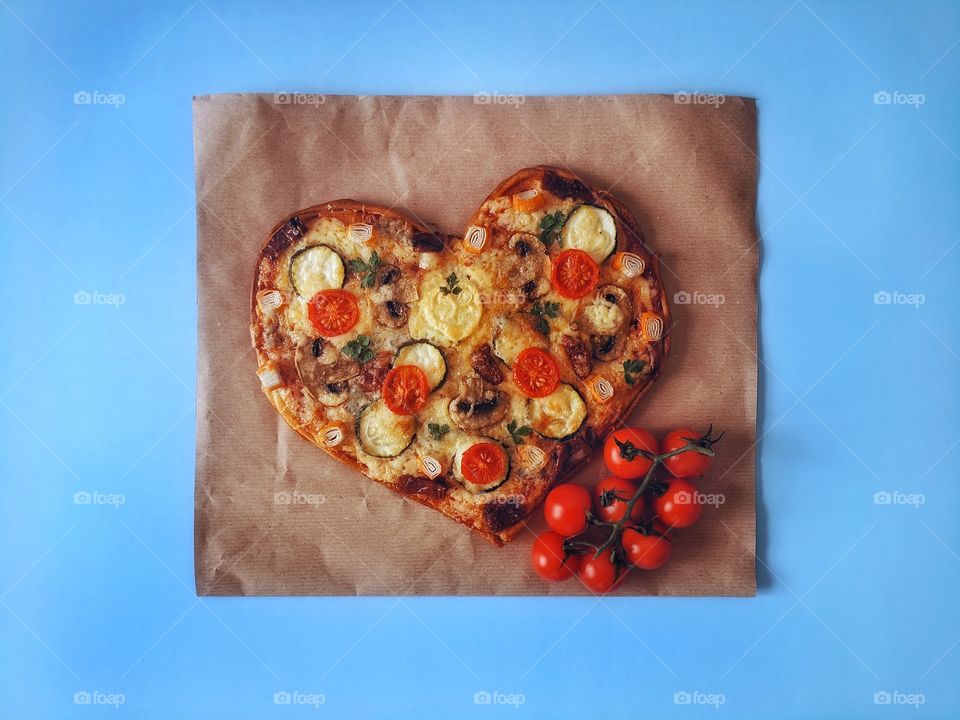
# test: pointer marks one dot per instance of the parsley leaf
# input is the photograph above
(453, 285)
(630, 368)
(366, 270)
(437, 431)
(518, 433)
(542, 311)
(359, 349)
(550, 225)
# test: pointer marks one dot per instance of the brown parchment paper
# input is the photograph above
(687, 170)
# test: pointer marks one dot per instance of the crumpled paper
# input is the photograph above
(276, 515)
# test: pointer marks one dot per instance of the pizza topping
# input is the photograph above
(591, 229)
(518, 432)
(475, 239)
(270, 377)
(550, 226)
(526, 266)
(333, 312)
(651, 326)
(427, 242)
(360, 232)
(405, 389)
(532, 457)
(429, 466)
(315, 268)
(373, 372)
(558, 415)
(606, 318)
(324, 372)
(448, 311)
(631, 368)
(575, 273)
(270, 300)
(477, 405)
(601, 389)
(528, 200)
(565, 188)
(577, 354)
(543, 311)
(485, 364)
(426, 357)
(331, 435)
(483, 466)
(629, 264)
(435, 489)
(382, 433)
(289, 233)
(536, 372)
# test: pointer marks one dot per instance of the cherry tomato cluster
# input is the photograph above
(629, 513)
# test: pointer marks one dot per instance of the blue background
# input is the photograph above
(857, 597)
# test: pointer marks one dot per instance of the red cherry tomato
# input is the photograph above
(599, 574)
(679, 506)
(333, 312)
(647, 552)
(536, 372)
(617, 491)
(548, 557)
(619, 449)
(575, 273)
(566, 507)
(687, 464)
(483, 463)
(405, 389)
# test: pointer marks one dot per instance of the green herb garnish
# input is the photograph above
(630, 368)
(453, 285)
(366, 270)
(518, 433)
(542, 311)
(359, 349)
(550, 225)
(437, 431)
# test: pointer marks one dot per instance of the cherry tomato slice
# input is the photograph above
(575, 273)
(333, 312)
(536, 372)
(405, 389)
(483, 463)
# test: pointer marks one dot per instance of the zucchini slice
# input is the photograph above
(487, 487)
(591, 229)
(315, 268)
(427, 357)
(383, 434)
(558, 415)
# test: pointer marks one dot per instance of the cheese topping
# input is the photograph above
(512, 336)
(426, 357)
(559, 414)
(592, 230)
(442, 315)
(314, 269)
(604, 316)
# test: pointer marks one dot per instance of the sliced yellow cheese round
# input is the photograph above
(426, 357)
(559, 414)
(591, 229)
(383, 434)
(449, 309)
(315, 268)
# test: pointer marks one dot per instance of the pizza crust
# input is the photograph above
(421, 253)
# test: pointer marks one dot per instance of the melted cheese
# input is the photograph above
(445, 318)
(592, 230)
(605, 317)
(559, 414)
(315, 269)
(512, 336)
(383, 434)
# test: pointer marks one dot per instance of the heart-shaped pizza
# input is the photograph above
(469, 373)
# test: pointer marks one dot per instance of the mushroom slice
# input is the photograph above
(606, 319)
(526, 266)
(324, 371)
(477, 405)
(394, 291)
(391, 313)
